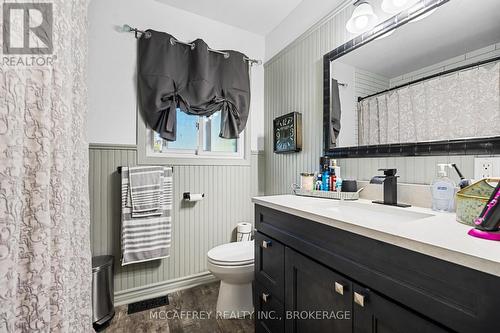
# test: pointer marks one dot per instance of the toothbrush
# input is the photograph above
(463, 182)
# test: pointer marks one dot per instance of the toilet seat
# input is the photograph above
(232, 254)
(230, 263)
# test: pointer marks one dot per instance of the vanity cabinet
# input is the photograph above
(359, 284)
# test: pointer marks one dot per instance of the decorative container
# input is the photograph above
(472, 199)
(307, 181)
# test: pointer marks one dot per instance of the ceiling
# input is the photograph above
(457, 27)
(257, 16)
(304, 16)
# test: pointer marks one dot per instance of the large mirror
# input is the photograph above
(426, 81)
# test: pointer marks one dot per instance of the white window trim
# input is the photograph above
(145, 154)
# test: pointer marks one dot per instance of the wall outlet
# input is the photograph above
(486, 167)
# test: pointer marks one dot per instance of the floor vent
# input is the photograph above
(147, 304)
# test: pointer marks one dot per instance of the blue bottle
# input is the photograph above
(325, 180)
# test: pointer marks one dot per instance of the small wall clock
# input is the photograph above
(287, 131)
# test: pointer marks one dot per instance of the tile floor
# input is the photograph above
(181, 318)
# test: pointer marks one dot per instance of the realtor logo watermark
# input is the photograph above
(28, 34)
(267, 315)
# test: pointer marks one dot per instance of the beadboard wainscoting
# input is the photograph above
(196, 227)
(294, 82)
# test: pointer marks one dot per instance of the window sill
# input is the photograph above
(142, 158)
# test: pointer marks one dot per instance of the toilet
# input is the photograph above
(233, 264)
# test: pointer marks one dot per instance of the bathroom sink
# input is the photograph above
(373, 212)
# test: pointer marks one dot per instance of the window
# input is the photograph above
(196, 137)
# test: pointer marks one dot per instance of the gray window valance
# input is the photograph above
(173, 75)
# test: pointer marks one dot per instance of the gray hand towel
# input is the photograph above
(144, 190)
(335, 114)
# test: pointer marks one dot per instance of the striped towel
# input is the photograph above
(146, 237)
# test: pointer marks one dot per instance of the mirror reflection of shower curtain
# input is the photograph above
(335, 114)
(459, 105)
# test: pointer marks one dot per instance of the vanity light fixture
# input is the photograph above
(421, 17)
(387, 34)
(363, 18)
(396, 6)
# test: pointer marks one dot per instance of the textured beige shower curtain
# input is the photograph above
(460, 105)
(45, 261)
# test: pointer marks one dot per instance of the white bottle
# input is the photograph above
(443, 191)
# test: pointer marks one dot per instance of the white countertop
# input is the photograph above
(436, 234)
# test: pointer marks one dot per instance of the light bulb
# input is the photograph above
(363, 19)
(361, 22)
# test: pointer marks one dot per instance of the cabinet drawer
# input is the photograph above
(270, 264)
(269, 311)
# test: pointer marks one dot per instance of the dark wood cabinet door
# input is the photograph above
(376, 314)
(269, 311)
(270, 264)
(316, 298)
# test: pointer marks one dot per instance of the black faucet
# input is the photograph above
(390, 181)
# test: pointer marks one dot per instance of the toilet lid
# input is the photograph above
(237, 253)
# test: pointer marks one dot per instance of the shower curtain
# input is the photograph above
(460, 105)
(45, 260)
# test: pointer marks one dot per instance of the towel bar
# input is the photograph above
(119, 169)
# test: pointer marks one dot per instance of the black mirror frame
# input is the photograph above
(475, 146)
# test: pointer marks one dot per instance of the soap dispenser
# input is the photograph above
(443, 191)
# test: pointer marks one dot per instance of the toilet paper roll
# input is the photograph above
(244, 227)
(243, 232)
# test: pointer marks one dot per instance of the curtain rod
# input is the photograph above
(449, 71)
(173, 41)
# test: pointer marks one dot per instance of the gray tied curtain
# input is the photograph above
(199, 82)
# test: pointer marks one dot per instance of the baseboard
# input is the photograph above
(159, 289)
